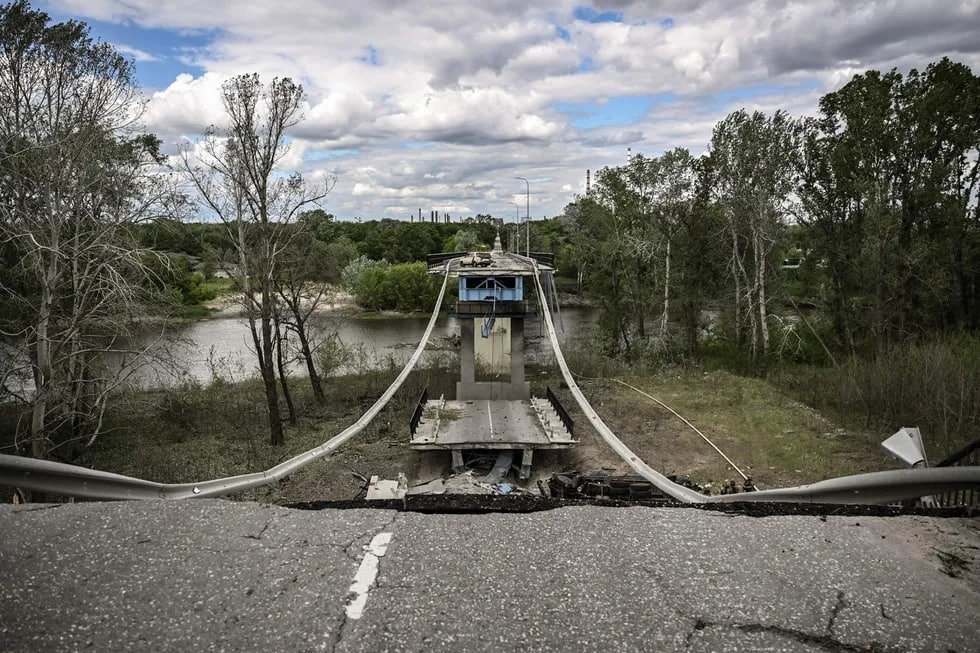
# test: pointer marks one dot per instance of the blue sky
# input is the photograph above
(435, 105)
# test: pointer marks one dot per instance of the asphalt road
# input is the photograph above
(218, 575)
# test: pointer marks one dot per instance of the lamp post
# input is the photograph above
(517, 222)
(527, 215)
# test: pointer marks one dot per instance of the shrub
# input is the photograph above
(934, 385)
(402, 287)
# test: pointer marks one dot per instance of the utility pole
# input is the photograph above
(527, 215)
(517, 226)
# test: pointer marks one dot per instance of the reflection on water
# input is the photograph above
(224, 346)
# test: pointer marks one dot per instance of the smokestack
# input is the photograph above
(420, 214)
(629, 154)
(588, 181)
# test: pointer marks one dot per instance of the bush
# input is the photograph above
(934, 385)
(402, 287)
(354, 271)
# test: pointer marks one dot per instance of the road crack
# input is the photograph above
(838, 606)
(823, 642)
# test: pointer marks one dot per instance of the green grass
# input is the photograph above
(219, 286)
(192, 312)
(758, 426)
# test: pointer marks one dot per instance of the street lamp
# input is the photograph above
(517, 222)
(527, 215)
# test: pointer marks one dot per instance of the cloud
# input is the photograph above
(137, 55)
(439, 104)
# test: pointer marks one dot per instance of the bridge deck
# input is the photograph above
(484, 424)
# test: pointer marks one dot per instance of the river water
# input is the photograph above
(222, 347)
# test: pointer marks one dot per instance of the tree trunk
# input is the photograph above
(268, 371)
(43, 367)
(282, 373)
(736, 275)
(638, 305)
(760, 272)
(304, 345)
(666, 315)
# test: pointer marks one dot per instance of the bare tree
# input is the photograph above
(236, 173)
(302, 292)
(76, 175)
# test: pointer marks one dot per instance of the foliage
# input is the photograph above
(933, 384)
(75, 180)
(353, 271)
(401, 287)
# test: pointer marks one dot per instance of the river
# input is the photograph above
(222, 347)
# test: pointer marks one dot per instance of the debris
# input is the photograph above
(387, 489)
(602, 485)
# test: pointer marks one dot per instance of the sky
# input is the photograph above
(440, 104)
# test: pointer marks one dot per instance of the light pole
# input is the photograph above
(527, 215)
(517, 222)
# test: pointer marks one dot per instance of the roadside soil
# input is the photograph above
(772, 438)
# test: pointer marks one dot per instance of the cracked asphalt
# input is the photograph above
(220, 575)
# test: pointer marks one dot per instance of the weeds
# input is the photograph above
(934, 385)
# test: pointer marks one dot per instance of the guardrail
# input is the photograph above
(72, 480)
(873, 488)
(968, 456)
(563, 415)
(876, 487)
(413, 423)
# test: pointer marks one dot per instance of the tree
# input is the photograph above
(76, 177)
(753, 157)
(237, 176)
(888, 198)
(301, 288)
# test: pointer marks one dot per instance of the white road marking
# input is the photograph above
(366, 575)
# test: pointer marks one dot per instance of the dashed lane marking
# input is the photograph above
(366, 574)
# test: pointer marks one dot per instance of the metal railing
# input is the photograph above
(563, 415)
(968, 456)
(958, 474)
(413, 423)
(875, 487)
(72, 480)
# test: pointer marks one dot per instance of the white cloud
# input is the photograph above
(463, 96)
(137, 55)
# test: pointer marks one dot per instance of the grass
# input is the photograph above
(775, 439)
(217, 286)
(800, 424)
(934, 385)
(195, 432)
(192, 312)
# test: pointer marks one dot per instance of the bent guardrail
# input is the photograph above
(48, 476)
(968, 456)
(872, 488)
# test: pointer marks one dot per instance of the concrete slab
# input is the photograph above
(483, 424)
